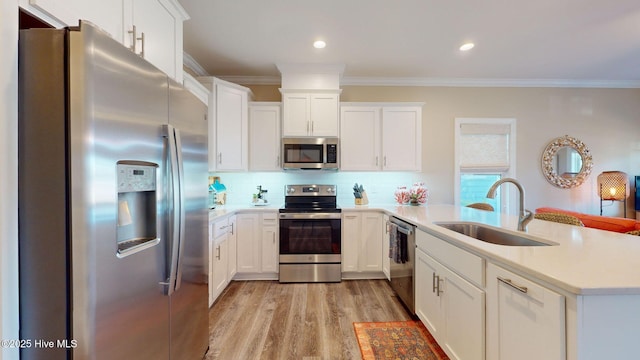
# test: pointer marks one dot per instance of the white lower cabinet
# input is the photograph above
(450, 306)
(257, 245)
(232, 238)
(248, 243)
(219, 259)
(524, 319)
(386, 261)
(362, 242)
(270, 243)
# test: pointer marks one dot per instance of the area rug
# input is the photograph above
(397, 340)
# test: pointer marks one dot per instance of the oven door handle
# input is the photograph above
(310, 216)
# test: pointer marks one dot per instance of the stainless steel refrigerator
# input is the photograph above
(112, 203)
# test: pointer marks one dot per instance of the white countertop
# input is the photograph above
(585, 261)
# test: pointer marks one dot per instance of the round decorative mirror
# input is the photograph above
(566, 162)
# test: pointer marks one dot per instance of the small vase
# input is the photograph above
(414, 202)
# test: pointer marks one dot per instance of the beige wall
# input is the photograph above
(606, 120)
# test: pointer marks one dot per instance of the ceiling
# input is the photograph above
(528, 43)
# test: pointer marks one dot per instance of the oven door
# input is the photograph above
(310, 247)
(310, 237)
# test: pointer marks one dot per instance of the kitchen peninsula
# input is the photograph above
(588, 274)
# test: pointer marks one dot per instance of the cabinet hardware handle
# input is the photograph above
(278, 160)
(376, 161)
(308, 126)
(312, 127)
(141, 38)
(231, 228)
(438, 287)
(218, 256)
(219, 158)
(434, 282)
(134, 38)
(351, 216)
(522, 289)
(385, 161)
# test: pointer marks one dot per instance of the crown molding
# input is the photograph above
(457, 82)
(193, 65)
(452, 82)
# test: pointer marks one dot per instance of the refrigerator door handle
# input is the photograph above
(182, 209)
(176, 223)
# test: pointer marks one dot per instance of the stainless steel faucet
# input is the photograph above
(524, 216)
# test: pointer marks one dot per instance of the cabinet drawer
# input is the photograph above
(220, 228)
(462, 262)
(269, 218)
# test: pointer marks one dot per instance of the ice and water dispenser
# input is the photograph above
(137, 207)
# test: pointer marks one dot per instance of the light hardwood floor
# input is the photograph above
(268, 320)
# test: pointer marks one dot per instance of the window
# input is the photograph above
(484, 153)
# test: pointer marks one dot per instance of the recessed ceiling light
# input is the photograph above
(467, 46)
(319, 44)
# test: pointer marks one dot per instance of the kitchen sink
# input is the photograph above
(492, 235)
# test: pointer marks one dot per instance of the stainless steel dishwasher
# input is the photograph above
(402, 250)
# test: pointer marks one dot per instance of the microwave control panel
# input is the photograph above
(332, 153)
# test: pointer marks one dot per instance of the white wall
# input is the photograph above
(8, 176)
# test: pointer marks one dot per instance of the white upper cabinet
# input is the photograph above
(377, 136)
(264, 136)
(402, 138)
(310, 113)
(360, 147)
(158, 25)
(153, 29)
(228, 125)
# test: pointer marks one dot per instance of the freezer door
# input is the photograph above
(118, 104)
(189, 307)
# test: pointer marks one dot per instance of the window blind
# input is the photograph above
(484, 146)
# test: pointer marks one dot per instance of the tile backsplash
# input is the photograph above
(379, 186)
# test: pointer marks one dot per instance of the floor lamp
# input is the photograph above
(613, 186)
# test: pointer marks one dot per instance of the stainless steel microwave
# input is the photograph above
(310, 153)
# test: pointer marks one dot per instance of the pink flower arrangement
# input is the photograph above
(418, 193)
(402, 195)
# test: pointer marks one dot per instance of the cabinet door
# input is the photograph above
(264, 138)
(360, 138)
(269, 248)
(231, 128)
(212, 254)
(232, 238)
(248, 243)
(270, 242)
(463, 307)
(158, 25)
(386, 261)
(220, 268)
(218, 232)
(295, 117)
(324, 114)
(524, 319)
(402, 138)
(370, 252)
(427, 296)
(107, 15)
(350, 241)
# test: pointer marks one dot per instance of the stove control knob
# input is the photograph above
(291, 190)
(330, 190)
